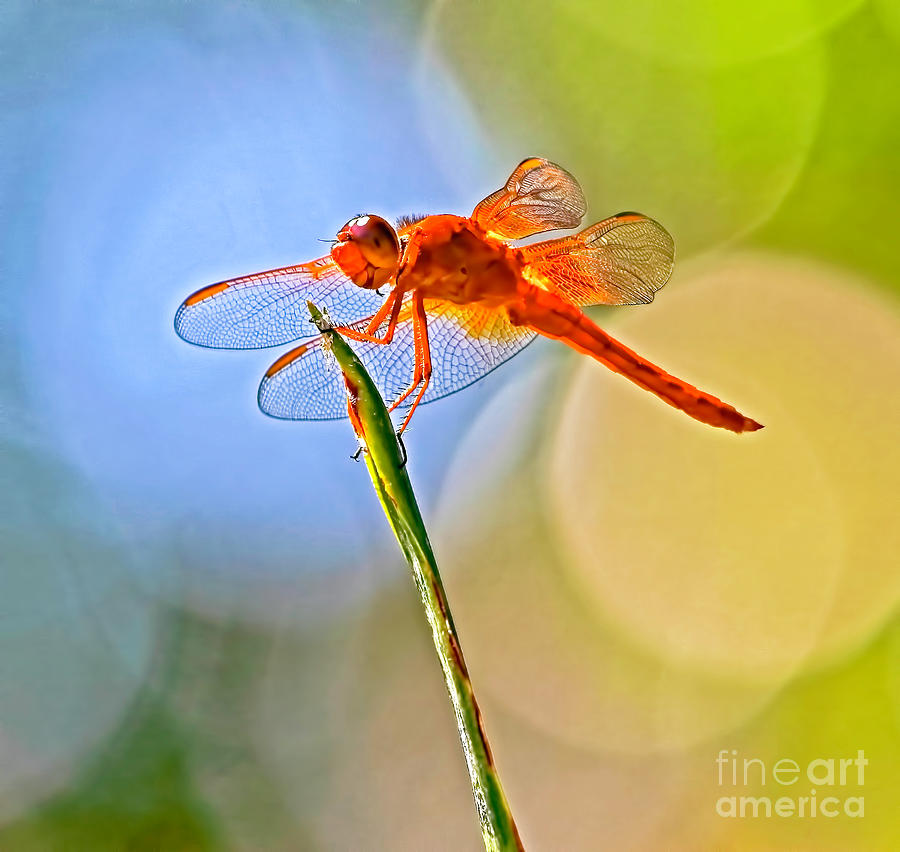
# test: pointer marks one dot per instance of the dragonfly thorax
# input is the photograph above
(454, 260)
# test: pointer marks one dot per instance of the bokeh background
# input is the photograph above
(208, 639)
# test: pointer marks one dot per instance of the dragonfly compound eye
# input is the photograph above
(367, 250)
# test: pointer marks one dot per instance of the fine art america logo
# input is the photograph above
(820, 788)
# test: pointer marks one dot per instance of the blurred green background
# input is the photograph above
(208, 640)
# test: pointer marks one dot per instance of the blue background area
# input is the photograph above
(157, 149)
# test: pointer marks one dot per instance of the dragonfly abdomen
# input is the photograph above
(553, 317)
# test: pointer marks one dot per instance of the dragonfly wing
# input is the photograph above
(623, 260)
(304, 384)
(539, 196)
(466, 344)
(269, 308)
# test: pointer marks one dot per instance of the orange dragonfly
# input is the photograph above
(460, 300)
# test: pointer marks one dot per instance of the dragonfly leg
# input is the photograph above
(391, 306)
(420, 323)
(417, 368)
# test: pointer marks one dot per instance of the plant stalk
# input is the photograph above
(387, 467)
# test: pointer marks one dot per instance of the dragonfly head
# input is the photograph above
(367, 251)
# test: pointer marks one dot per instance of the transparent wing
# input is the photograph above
(623, 260)
(539, 196)
(466, 344)
(269, 308)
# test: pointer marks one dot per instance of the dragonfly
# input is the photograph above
(438, 302)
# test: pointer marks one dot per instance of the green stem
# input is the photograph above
(386, 466)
